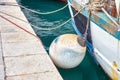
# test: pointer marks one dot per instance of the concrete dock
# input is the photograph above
(22, 55)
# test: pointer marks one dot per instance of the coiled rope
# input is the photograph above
(34, 11)
(39, 27)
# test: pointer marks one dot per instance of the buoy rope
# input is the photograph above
(107, 14)
(20, 27)
(34, 11)
(87, 26)
(43, 28)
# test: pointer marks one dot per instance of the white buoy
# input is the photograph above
(67, 51)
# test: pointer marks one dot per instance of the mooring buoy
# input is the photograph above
(67, 51)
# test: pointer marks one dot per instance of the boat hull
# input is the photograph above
(79, 23)
(105, 50)
(104, 47)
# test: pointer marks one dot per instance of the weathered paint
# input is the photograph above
(117, 34)
(109, 35)
(109, 29)
(101, 20)
(95, 18)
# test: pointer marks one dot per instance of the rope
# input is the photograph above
(62, 23)
(20, 27)
(43, 28)
(87, 26)
(99, 6)
(43, 12)
(110, 18)
(37, 12)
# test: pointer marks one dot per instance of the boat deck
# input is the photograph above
(22, 55)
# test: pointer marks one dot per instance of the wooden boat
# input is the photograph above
(103, 32)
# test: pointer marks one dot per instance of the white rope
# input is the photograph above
(39, 27)
(110, 18)
(44, 13)
(62, 23)
(99, 6)
(34, 11)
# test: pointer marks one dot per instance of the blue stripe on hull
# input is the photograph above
(88, 44)
(79, 24)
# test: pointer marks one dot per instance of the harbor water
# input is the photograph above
(88, 69)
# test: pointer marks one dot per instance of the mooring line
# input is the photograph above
(34, 11)
(3, 12)
(20, 27)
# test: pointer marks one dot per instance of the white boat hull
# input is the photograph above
(106, 51)
(106, 47)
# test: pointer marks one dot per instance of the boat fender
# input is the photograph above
(67, 51)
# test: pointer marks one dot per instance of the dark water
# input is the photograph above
(87, 70)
